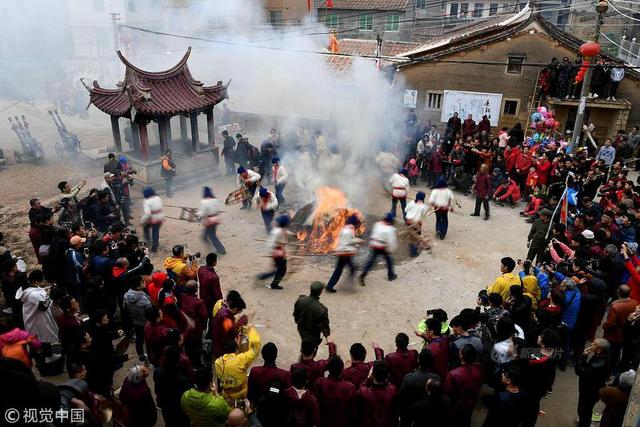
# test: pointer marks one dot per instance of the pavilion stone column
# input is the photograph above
(144, 142)
(115, 131)
(183, 129)
(211, 133)
(135, 137)
(195, 138)
(168, 130)
(162, 134)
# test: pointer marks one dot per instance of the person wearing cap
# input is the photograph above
(75, 264)
(311, 316)
(152, 217)
(441, 201)
(209, 213)
(382, 242)
(107, 186)
(268, 203)
(228, 151)
(249, 180)
(167, 170)
(279, 176)
(415, 211)
(537, 240)
(399, 184)
(345, 251)
(276, 244)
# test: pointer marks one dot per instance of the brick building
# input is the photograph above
(504, 56)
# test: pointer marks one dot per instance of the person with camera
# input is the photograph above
(152, 217)
(181, 267)
(103, 211)
(209, 213)
(36, 309)
(167, 170)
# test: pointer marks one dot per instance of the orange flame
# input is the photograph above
(328, 219)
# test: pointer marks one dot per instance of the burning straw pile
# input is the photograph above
(320, 229)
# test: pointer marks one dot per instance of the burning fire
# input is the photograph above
(328, 218)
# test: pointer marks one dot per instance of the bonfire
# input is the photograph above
(328, 218)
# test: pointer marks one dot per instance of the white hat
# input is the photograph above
(588, 234)
(108, 175)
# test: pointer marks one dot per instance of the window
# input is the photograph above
(433, 101)
(421, 4)
(514, 65)
(366, 22)
(275, 17)
(477, 10)
(98, 5)
(331, 20)
(453, 12)
(464, 9)
(510, 107)
(393, 23)
(493, 9)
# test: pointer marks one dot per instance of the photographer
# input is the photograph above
(103, 211)
(181, 267)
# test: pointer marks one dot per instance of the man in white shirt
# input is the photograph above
(268, 203)
(441, 200)
(209, 213)
(276, 244)
(382, 242)
(399, 184)
(249, 180)
(345, 251)
(414, 213)
(279, 174)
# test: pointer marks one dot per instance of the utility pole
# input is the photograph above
(115, 17)
(601, 7)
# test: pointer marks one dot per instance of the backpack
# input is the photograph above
(17, 350)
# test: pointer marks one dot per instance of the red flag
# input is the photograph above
(564, 210)
(333, 43)
(329, 3)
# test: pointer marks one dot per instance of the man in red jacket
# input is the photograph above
(522, 165)
(194, 307)
(305, 411)
(510, 158)
(402, 361)
(463, 385)
(484, 125)
(261, 378)
(439, 346)
(358, 372)
(335, 396)
(376, 400)
(619, 312)
(315, 368)
(210, 291)
(468, 127)
(483, 191)
(543, 167)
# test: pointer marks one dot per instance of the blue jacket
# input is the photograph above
(73, 264)
(102, 266)
(570, 307)
(543, 282)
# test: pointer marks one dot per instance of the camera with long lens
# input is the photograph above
(194, 256)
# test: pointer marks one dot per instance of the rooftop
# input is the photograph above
(156, 93)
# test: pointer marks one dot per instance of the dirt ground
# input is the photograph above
(448, 276)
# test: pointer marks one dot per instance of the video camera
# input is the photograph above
(193, 257)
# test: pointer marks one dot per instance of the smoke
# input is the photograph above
(274, 82)
(277, 85)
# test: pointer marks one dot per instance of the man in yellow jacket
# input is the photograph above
(232, 367)
(179, 267)
(506, 279)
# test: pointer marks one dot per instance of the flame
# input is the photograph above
(328, 219)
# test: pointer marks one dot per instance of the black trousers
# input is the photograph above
(375, 253)
(481, 201)
(278, 273)
(343, 261)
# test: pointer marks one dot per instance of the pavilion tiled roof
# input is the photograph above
(367, 4)
(162, 93)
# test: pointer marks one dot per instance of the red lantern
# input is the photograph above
(586, 63)
(579, 79)
(581, 73)
(589, 49)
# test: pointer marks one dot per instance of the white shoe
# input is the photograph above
(609, 99)
(613, 98)
(590, 95)
(566, 97)
(8, 310)
(595, 95)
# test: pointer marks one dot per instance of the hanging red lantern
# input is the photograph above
(586, 63)
(581, 73)
(590, 48)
